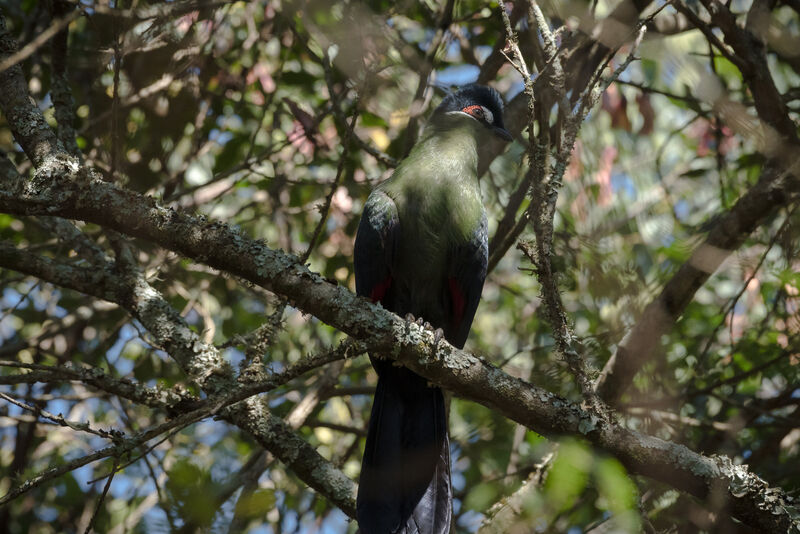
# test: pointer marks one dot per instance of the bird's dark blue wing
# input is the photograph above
(404, 487)
(468, 265)
(374, 247)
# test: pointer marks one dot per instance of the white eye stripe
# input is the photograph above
(487, 115)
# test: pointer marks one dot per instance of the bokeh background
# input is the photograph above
(240, 111)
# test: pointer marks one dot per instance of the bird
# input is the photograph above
(421, 251)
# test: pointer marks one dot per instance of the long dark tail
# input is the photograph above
(405, 476)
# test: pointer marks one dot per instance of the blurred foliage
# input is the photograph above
(236, 110)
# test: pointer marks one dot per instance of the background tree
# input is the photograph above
(169, 363)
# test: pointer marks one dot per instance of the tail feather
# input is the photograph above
(405, 476)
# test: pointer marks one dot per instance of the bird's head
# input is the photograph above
(478, 103)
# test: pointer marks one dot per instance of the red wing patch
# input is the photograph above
(379, 291)
(458, 301)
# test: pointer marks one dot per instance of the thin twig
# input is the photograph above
(115, 143)
(102, 496)
(112, 450)
(326, 208)
(708, 33)
(61, 421)
(40, 40)
(547, 36)
(512, 45)
(543, 202)
(732, 303)
(415, 110)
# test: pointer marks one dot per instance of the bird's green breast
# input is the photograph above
(437, 198)
(436, 188)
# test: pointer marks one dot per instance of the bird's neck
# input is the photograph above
(436, 186)
(446, 152)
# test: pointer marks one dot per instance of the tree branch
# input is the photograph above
(200, 361)
(226, 249)
(31, 130)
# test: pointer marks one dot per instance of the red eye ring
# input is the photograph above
(474, 110)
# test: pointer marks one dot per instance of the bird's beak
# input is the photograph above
(503, 134)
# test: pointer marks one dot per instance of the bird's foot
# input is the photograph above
(438, 333)
(438, 336)
(419, 322)
(422, 323)
(410, 318)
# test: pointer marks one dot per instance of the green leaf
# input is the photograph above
(619, 493)
(256, 504)
(372, 120)
(569, 475)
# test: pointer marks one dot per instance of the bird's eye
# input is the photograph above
(480, 113)
(475, 111)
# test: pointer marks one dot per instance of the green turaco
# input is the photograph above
(422, 250)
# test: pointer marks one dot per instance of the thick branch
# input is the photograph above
(61, 93)
(30, 129)
(755, 70)
(122, 387)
